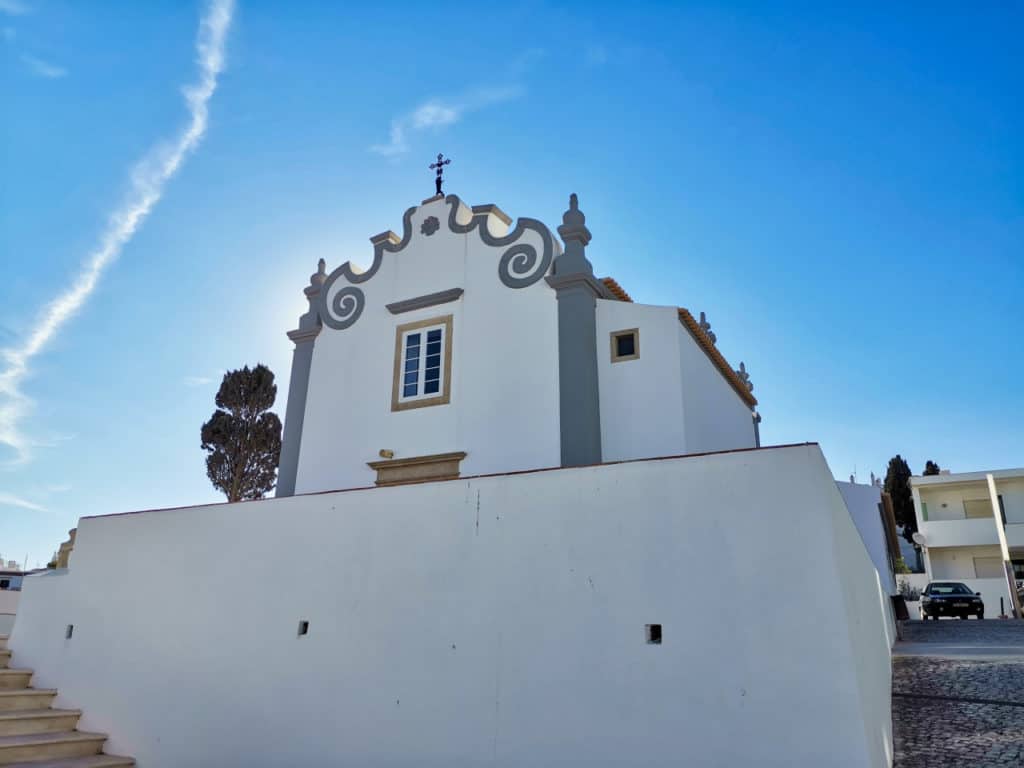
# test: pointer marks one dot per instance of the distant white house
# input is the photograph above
(970, 524)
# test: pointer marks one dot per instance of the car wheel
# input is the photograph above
(981, 616)
(963, 617)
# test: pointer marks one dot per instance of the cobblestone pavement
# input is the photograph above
(959, 712)
(994, 631)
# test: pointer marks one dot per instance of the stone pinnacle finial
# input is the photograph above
(317, 279)
(574, 223)
(745, 377)
(706, 327)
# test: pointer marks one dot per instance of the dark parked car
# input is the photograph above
(950, 598)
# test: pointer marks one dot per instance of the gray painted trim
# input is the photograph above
(347, 304)
(302, 359)
(304, 334)
(577, 291)
(566, 281)
(295, 413)
(520, 266)
(494, 210)
(579, 403)
(429, 300)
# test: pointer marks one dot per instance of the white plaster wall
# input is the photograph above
(975, 531)
(947, 503)
(493, 621)
(504, 397)
(715, 416)
(957, 563)
(1012, 492)
(641, 400)
(862, 501)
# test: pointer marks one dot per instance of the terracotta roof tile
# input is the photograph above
(617, 290)
(716, 357)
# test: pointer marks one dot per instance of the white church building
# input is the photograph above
(471, 347)
(532, 525)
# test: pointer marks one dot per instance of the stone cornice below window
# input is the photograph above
(418, 469)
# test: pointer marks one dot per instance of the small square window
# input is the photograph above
(653, 632)
(423, 361)
(625, 345)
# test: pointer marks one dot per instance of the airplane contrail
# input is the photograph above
(149, 177)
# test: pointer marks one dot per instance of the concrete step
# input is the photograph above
(5, 658)
(92, 761)
(12, 679)
(28, 721)
(3, 641)
(49, 746)
(26, 698)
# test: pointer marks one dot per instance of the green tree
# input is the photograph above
(930, 468)
(897, 485)
(243, 437)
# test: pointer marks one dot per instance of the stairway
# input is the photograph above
(34, 735)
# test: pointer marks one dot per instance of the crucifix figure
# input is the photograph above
(442, 161)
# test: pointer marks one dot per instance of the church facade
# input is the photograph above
(471, 346)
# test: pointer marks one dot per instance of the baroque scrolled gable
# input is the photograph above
(529, 249)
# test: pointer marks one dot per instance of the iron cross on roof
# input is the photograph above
(442, 161)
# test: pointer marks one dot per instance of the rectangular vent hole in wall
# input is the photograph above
(303, 628)
(69, 631)
(653, 634)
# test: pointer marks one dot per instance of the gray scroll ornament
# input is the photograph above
(519, 266)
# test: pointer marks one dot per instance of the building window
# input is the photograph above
(989, 568)
(625, 345)
(423, 364)
(977, 508)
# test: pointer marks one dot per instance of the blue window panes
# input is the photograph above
(434, 348)
(431, 387)
(411, 365)
(433, 361)
(410, 377)
(412, 340)
(409, 390)
(434, 335)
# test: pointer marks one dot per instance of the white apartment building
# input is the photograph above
(962, 536)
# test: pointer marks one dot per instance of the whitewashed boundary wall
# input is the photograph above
(483, 621)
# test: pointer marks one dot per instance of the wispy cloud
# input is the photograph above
(437, 113)
(10, 500)
(43, 68)
(14, 7)
(148, 180)
(197, 381)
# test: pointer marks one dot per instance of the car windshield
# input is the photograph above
(949, 589)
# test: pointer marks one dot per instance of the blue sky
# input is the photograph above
(840, 189)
